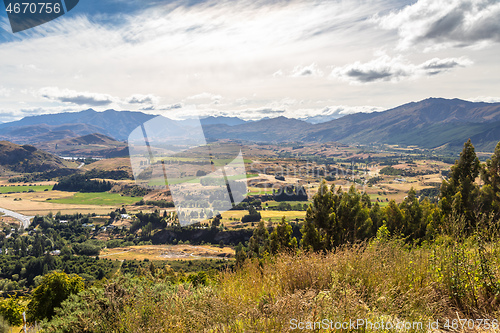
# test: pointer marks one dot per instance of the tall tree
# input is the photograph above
(459, 192)
(490, 175)
(281, 238)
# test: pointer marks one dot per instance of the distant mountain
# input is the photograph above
(230, 121)
(91, 145)
(31, 134)
(322, 118)
(267, 130)
(430, 123)
(27, 159)
(117, 124)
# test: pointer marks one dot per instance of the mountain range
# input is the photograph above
(430, 123)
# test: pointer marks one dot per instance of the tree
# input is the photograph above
(281, 238)
(258, 245)
(490, 172)
(53, 290)
(413, 224)
(490, 175)
(12, 310)
(321, 221)
(459, 192)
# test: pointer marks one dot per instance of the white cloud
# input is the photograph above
(485, 99)
(332, 112)
(444, 23)
(76, 97)
(143, 99)
(394, 69)
(4, 92)
(307, 71)
(205, 96)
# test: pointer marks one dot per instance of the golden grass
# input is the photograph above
(378, 282)
(167, 252)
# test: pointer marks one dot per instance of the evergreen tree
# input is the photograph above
(490, 175)
(413, 224)
(321, 216)
(258, 245)
(281, 238)
(459, 192)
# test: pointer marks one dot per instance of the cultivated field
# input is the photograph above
(167, 252)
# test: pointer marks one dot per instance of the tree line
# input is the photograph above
(468, 200)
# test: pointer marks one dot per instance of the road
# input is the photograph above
(25, 220)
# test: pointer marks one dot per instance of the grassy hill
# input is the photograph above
(27, 159)
(91, 145)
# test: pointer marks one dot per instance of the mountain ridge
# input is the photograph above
(430, 123)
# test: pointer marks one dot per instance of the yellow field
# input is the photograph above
(36, 203)
(167, 252)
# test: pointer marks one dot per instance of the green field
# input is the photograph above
(24, 188)
(98, 199)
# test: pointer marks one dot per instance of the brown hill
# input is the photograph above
(27, 159)
(91, 145)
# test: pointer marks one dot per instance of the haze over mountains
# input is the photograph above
(431, 123)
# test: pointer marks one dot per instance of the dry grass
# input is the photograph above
(167, 252)
(35, 203)
(378, 282)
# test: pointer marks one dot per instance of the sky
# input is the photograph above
(251, 58)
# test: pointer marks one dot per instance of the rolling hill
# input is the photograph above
(90, 145)
(27, 159)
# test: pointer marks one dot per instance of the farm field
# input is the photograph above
(24, 188)
(98, 199)
(167, 252)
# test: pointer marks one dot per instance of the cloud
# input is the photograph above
(386, 68)
(143, 99)
(333, 112)
(205, 96)
(444, 23)
(485, 99)
(4, 92)
(76, 97)
(312, 71)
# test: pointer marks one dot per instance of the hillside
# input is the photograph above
(91, 145)
(27, 159)
(280, 129)
(431, 123)
(116, 124)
